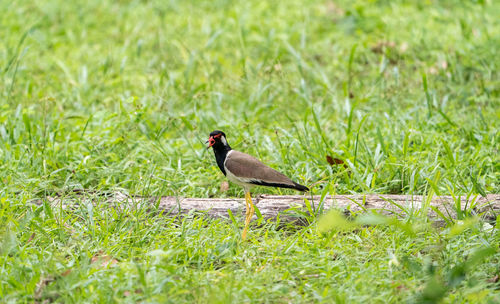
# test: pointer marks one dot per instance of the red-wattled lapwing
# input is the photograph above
(246, 171)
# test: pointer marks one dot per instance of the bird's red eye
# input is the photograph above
(218, 135)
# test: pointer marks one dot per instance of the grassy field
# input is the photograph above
(121, 95)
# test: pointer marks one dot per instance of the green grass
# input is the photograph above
(121, 95)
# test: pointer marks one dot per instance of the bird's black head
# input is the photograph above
(218, 141)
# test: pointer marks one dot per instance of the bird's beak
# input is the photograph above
(210, 142)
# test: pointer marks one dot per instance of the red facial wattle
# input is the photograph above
(211, 141)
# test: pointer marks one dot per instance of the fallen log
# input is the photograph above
(292, 207)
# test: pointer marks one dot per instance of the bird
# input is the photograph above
(247, 172)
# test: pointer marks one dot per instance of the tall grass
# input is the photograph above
(121, 95)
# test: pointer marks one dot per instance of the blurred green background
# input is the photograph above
(123, 94)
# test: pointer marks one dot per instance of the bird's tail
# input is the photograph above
(300, 187)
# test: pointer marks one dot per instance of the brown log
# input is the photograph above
(270, 206)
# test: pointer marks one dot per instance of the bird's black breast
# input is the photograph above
(220, 157)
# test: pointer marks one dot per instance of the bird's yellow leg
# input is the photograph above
(247, 205)
(252, 211)
(248, 214)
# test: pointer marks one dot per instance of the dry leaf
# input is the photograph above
(334, 161)
(382, 45)
(224, 186)
(104, 260)
(31, 238)
(127, 293)
(494, 279)
(109, 261)
(44, 281)
(96, 257)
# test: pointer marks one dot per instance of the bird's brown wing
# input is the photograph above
(250, 169)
